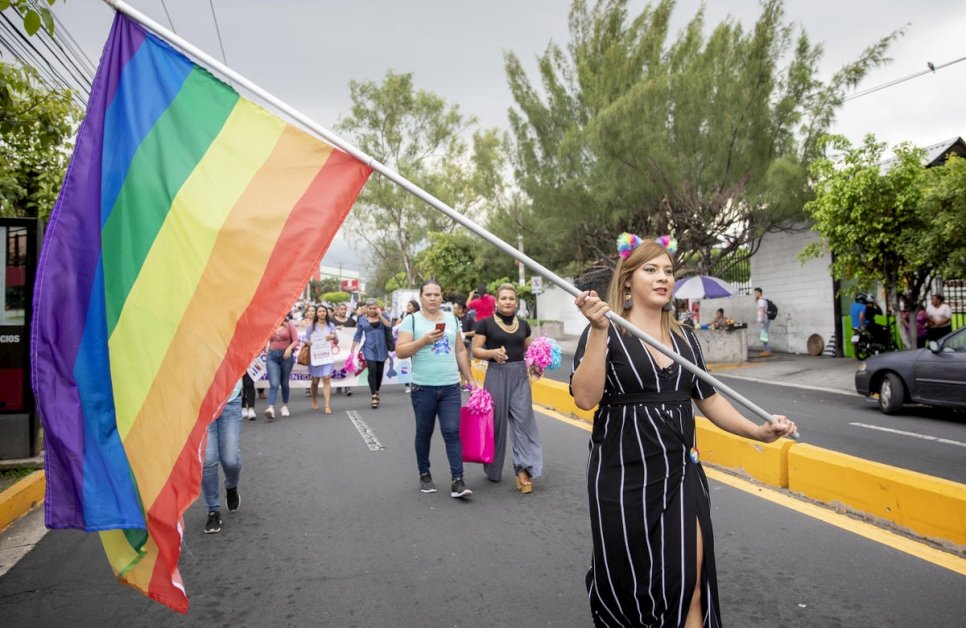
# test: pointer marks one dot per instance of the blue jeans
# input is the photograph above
(279, 370)
(224, 445)
(428, 403)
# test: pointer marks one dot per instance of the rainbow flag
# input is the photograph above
(189, 221)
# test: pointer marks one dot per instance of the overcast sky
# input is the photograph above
(307, 51)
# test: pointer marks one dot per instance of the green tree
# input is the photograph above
(944, 202)
(451, 259)
(706, 137)
(36, 127)
(419, 135)
(870, 216)
(334, 297)
(325, 284)
(34, 14)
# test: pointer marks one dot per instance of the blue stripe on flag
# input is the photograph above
(150, 80)
(110, 497)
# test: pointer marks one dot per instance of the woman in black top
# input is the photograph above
(502, 339)
(650, 514)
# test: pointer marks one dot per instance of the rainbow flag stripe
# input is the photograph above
(189, 220)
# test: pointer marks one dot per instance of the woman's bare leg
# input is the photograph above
(327, 393)
(695, 619)
(314, 388)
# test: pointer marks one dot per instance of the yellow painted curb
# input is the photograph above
(556, 396)
(930, 506)
(766, 462)
(17, 500)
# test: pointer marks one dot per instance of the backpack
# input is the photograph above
(771, 309)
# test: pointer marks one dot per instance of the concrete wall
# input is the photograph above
(555, 304)
(803, 293)
(724, 346)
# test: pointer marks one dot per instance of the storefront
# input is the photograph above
(19, 436)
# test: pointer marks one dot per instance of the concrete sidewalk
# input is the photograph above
(801, 371)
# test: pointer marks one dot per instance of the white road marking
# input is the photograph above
(945, 441)
(365, 431)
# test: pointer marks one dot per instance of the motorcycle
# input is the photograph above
(872, 340)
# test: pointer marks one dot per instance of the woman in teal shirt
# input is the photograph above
(434, 341)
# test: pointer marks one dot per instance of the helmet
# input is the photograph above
(860, 297)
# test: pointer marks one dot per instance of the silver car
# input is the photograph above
(935, 375)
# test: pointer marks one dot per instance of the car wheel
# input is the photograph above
(891, 394)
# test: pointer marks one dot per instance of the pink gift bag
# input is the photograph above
(476, 435)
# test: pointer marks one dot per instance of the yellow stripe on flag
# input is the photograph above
(170, 273)
(239, 259)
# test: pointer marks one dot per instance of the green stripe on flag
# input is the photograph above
(162, 163)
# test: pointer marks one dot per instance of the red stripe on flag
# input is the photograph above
(307, 234)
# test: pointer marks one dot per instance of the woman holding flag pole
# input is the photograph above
(157, 574)
(653, 551)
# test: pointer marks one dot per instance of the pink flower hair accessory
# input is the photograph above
(627, 242)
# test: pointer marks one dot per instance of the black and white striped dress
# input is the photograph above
(647, 489)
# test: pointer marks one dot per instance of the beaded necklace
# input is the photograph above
(509, 329)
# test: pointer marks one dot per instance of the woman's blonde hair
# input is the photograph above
(647, 250)
(506, 286)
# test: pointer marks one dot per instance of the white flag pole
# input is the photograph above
(398, 179)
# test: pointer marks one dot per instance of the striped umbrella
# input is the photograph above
(702, 287)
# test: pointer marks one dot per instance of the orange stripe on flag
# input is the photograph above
(265, 289)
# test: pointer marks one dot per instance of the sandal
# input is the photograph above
(375, 401)
(327, 410)
(524, 483)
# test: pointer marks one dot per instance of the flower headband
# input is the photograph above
(627, 242)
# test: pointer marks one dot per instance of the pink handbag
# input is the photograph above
(476, 435)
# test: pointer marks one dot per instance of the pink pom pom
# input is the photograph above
(540, 353)
(480, 402)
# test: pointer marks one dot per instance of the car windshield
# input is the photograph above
(955, 343)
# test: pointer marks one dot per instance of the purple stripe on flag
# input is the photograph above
(68, 263)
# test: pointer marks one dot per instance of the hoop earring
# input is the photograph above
(628, 302)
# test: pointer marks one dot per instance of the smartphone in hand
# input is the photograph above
(440, 326)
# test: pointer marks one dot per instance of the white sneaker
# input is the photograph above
(270, 413)
(251, 413)
(284, 410)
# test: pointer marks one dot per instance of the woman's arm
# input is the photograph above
(480, 353)
(295, 341)
(406, 346)
(720, 412)
(587, 382)
(463, 362)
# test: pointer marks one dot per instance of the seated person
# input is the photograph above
(719, 322)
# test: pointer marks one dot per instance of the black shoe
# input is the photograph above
(459, 489)
(426, 484)
(214, 522)
(233, 499)
(348, 392)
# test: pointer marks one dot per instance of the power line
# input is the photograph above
(168, 15)
(21, 46)
(214, 17)
(61, 31)
(931, 68)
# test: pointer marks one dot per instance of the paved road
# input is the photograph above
(332, 534)
(927, 440)
(920, 438)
